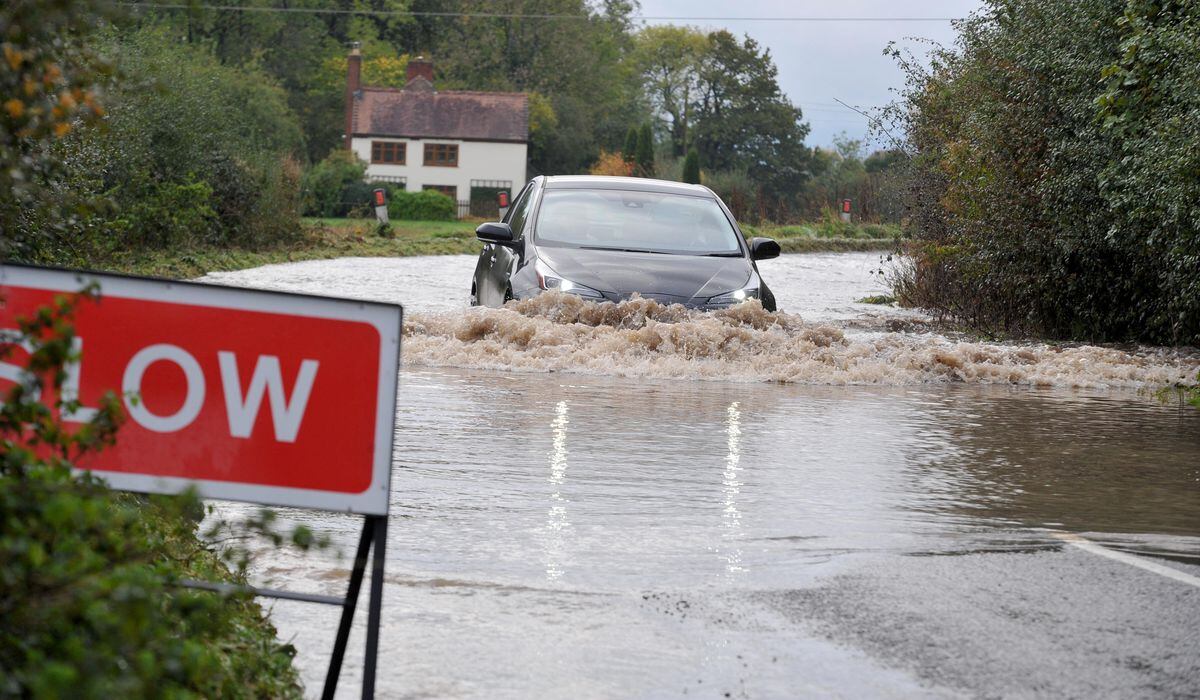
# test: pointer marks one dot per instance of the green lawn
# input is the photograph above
(318, 239)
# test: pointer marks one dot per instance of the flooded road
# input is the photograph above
(663, 504)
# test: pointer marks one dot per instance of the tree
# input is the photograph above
(299, 50)
(47, 79)
(644, 162)
(743, 119)
(669, 59)
(691, 167)
(885, 160)
(631, 142)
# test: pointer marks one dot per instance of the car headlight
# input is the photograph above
(549, 279)
(735, 297)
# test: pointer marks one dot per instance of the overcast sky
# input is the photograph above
(821, 61)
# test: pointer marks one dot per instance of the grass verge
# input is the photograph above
(882, 299)
(317, 240)
(835, 245)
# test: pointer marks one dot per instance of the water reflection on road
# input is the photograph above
(731, 485)
(586, 536)
(558, 525)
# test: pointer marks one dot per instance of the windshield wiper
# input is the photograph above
(723, 255)
(623, 250)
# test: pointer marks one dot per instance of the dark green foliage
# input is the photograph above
(670, 59)
(629, 152)
(429, 205)
(644, 158)
(691, 167)
(1056, 171)
(88, 605)
(192, 153)
(300, 51)
(577, 67)
(335, 186)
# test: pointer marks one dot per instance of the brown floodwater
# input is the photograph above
(563, 472)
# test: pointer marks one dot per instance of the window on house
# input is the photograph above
(441, 154)
(449, 190)
(387, 152)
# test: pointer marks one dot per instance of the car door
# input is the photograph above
(485, 282)
(497, 262)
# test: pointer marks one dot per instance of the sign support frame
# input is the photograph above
(374, 532)
(373, 537)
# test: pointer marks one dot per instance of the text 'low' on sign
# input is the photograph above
(274, 398)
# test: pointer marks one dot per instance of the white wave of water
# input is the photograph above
(642, 338)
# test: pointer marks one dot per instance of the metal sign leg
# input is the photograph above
(343, 633)
(375, 606)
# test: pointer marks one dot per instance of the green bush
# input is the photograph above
(1056, 171)
(335, 186)
(192, 152)
(167, 212)
(736, 189)
(89, 602)
(428, 205)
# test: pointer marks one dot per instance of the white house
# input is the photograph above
(465, 144)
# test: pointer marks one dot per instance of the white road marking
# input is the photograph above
(1141, 563)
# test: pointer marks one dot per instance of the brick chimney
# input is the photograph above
(420, 67)
(353, 77)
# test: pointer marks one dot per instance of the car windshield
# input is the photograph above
(636, 221)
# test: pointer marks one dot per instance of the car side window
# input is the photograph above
(520, 211)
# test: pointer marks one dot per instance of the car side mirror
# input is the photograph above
(763, 249)
(495, 232)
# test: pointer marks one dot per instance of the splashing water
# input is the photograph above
(558, 332)
(837, 342)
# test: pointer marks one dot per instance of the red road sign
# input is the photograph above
(280, 399)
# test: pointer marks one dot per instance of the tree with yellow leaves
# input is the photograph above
(47, 81)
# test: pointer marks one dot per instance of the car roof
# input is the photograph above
(605, 182)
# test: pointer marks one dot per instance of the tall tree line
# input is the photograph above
(590, 72)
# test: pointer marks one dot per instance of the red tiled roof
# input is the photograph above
(420, 112)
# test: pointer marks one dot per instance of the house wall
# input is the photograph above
(477, 160)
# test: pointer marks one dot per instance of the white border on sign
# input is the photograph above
(387, 319)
